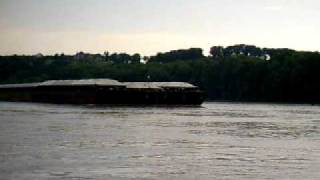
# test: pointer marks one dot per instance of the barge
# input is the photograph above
(104, 92)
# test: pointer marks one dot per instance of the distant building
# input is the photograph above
(39, 55)
(80, 55)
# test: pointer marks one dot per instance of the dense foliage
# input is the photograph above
(236, 73)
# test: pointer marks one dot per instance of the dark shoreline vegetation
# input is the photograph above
(234, 73)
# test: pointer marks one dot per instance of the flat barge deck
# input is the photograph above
(103, 91)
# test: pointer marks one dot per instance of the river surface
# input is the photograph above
(215, 141)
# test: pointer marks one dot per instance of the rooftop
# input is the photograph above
(157, 85)
(103, 82)
(83, 82)
(19, 85)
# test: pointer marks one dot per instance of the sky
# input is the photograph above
(151, 26)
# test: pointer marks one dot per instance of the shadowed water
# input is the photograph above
(216, 141)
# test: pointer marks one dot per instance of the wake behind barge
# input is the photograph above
(104, 91)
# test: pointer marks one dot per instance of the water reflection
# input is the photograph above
(254, 129)
(217, 141)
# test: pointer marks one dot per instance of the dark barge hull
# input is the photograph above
(102, 95)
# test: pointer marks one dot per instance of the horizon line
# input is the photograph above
(142, 55)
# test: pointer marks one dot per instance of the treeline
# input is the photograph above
(234, 73)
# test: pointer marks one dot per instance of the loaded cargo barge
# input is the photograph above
(103, 91)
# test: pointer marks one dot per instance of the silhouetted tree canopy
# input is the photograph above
(238, 50)
(175, 55)
(236, 73)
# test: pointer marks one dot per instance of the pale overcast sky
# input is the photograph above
(150, 26)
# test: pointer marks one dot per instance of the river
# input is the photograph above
(215, 141)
